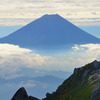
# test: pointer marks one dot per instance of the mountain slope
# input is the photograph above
(49, 32)
(83, 84)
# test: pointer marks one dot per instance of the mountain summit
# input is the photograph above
(47, 32)
(21, 94)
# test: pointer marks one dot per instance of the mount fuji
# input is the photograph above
(49, 32)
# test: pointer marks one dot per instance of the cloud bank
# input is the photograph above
(21, 12)
(14, 59)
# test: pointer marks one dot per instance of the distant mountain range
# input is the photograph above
(34, 85)
(83, 84)
(37, 82)
(49, 32)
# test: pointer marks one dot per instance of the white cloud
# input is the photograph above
(91, 50)
(29, 84)
(32, 84)
(10, 49)
(32, 9)
(13, 59)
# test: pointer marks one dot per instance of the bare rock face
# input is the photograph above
(95, 65)
(85, 73)
(21, 94)
(96, 90)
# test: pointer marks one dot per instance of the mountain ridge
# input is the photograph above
(83, 84)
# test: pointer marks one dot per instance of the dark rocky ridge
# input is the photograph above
(21, 94)
(83, 84)
(89, 68)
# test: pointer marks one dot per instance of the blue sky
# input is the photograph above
(94, 30)
(6, 30)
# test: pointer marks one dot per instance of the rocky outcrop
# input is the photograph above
(21, 94)
(96, 90)
(85, 73)
(95, 65)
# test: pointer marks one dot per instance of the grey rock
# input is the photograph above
(96, 91)
(85, 73)
(97, 86)
(95, 94)
(95, 64)
(76, 71)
